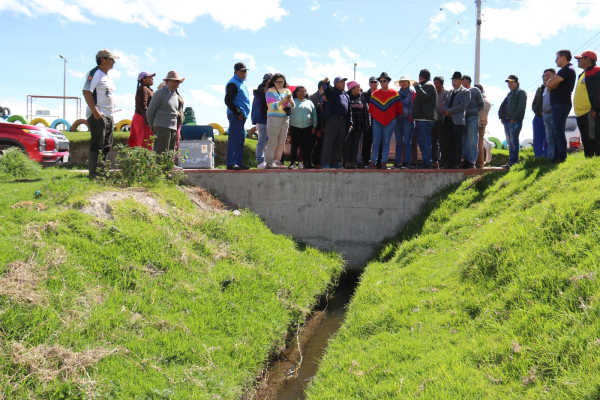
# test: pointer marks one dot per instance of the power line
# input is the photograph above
(418, 34)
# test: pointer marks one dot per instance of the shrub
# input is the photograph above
(15, 164)
(139, 166)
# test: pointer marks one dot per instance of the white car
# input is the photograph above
(572, 134)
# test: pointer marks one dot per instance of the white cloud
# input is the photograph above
(244, 57)
(436, 21)
(129, 62)
(157, 14)
(340, 16)
(350, 53)
(148, 54)
(115, 74)
(485, 76)
(455, 7)
(438, 66)
(205, 98)
(294, 51)
(549, 20)
(315, 6)
(461, 37)
(218, 88)
(383, 52)
(77, 74)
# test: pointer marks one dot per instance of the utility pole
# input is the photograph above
(354, 71)
(478, 42)
(64, 88)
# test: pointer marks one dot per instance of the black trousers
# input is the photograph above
(333, 142)
(452, 142)
(101, 131)
(300, 137)
(591, 147)
(352, 142)
(315, 148)
(436, 133)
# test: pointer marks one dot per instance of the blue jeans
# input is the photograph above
(424, 139)
(382, 133)
(539, 137)
(559, 113)
(261, 144)
(470, 142)
(549, 125)
(512, 131)
(235, 141)
(403, 131)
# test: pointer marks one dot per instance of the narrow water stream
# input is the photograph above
(289, 377)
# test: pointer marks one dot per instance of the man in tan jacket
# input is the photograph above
(483, 120)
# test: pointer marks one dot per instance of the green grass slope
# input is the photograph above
(492, 292)
(163, 301)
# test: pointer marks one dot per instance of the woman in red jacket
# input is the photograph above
(384, 106)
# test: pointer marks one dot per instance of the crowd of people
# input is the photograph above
(447, 125)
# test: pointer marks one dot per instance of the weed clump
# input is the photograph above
(14, 164)
(139, 166)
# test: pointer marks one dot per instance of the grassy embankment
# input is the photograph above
(492, 292)
(164, 301)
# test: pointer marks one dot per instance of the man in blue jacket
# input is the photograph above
(454, 108)
(238, 109)
(259, 118)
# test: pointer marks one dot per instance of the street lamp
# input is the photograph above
(64, 88)
(355, 64)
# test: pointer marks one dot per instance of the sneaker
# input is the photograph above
(353, 166)
(292, 166)
(435, 165)
(279, 164)
(403, 166)
(234, 167)
(307, 166)
(371, 165)
(325, 166)
(383, 165)
(506, 166)
(412, 166)
(479, 166)
(272, 165)
(445, 166)
(262, 165)
(336, 166)
(456, 166)
(300, 165)
(244, 167)
(318, 166)
(348, 165)
(360, 166)
(424, 166)
(397, 166)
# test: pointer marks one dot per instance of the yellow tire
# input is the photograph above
(122, 123)
(218, 127)
(40, 121)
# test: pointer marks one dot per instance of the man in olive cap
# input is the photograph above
(99, 94)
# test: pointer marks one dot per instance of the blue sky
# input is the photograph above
(304, 39)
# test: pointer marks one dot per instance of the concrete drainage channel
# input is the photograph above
(288, 377)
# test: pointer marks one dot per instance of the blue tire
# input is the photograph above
(504, 144)
(59, 121)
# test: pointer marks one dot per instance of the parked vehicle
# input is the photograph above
(45, 145)
(572, 134)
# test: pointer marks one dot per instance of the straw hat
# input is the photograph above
(173, 76)
(404, 78)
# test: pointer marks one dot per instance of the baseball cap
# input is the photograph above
(105, 53)
(512, 78)
(145, 74)
(240, 67)
(352, 84)
(267, 76)
(338, 79)
(373, 79)
(588, 53)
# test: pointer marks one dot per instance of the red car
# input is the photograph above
(45, 145)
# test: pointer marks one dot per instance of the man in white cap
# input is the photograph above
(162, 113)
(99, 94)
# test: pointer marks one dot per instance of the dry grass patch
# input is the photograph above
(20, 282)
(100, 204)
(31, 205)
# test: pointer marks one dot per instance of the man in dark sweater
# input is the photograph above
(424, 113)
(238, 109)
(438, 125)
(339, 120)
(561, 87)
(539, 131)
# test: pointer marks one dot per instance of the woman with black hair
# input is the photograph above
(303, 122)
(279, 108)
(140, 129)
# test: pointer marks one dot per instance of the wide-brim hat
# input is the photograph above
(384, 75)
(173, 76)
(404, 78)
(457, 75)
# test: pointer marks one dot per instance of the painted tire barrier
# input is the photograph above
(505, 145)
(6, 111)
(496, 142)
(17, 118)
(1, 111)
(527, 143)
(219, 128)
(59, 121)
(122, 123)
(5, 117)
(39, 121)
(78, 123)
